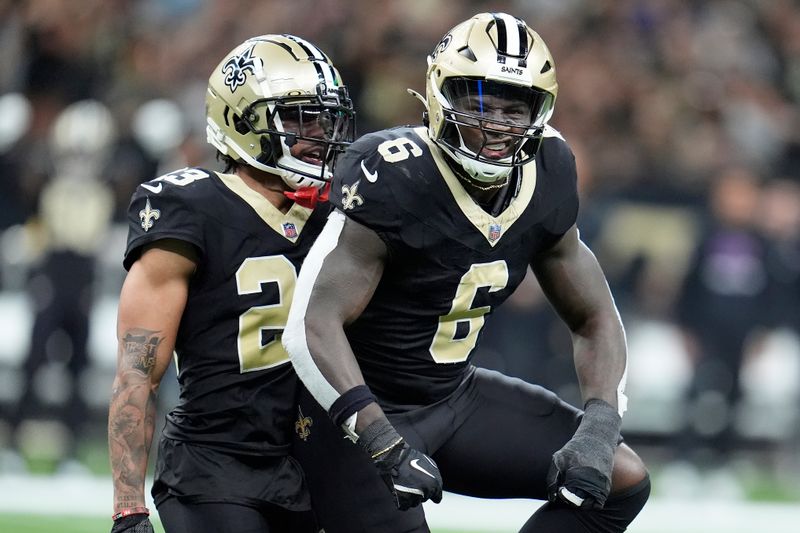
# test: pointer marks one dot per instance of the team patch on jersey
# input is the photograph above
(235, 69)
(494, 232)
(351, 198)
(301, 427)
(148, 215)
(290, 230)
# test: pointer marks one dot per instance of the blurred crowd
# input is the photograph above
(683, 116)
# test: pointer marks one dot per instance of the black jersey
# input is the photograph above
(450, 263)
(237, 388)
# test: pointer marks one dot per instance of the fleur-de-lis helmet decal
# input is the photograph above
(236, 68)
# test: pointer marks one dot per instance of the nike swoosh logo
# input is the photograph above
(372, 177)
(155, 189)
(415, 464)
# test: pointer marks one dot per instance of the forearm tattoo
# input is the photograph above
(131, 418)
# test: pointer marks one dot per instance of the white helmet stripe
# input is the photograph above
(508, 25)
(523, 39)
(312, 51)
(325, 73)
(330, 75)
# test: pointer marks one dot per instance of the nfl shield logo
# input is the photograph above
(289, 230)
(494, 232)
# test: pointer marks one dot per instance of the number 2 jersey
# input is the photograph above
(450, 263)
(237, 388)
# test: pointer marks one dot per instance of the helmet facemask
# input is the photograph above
(317, 129)
(491, 127)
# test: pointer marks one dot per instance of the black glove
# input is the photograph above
(580, 474)
(411, 476)
(134, 523)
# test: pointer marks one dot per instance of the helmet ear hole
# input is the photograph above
(240, 125)
(265, 156)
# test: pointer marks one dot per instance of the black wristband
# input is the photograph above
(378, 438)
(349, 403)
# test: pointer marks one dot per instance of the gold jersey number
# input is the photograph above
(252, 273)
(451, 343)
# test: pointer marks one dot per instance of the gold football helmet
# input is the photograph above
(269, 93)
(490, 90)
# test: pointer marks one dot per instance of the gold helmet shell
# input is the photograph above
(257, 86)
(498, 53)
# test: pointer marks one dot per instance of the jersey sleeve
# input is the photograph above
(162, 209)
(362, 189)
(559, 162)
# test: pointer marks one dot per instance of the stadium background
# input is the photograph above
(683, 116)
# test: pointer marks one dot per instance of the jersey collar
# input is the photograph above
(288, 225)
(492, 228)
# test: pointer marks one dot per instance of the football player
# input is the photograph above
(212, 261)
(435, 227)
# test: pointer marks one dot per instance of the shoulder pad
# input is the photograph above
(370, 169)
(164, 208)
(178, 178)
(550, 131)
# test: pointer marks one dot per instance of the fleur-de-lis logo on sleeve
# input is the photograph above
(148, 216)
(351, 197)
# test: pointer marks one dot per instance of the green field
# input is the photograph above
(21, 523)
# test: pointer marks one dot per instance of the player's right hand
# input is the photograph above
(135, 523)
(412, 476)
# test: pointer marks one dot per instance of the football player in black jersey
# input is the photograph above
(212, 260)
(435, 227)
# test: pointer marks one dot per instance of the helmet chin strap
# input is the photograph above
(479, 174)
(457, 164)
(419, 97)
(483, 175)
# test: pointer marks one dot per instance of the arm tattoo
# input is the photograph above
(132, 415)
(139, 348)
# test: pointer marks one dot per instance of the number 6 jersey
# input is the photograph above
(450, 263)
(237, 388)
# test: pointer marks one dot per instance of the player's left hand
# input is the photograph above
(135, 523)
(412, 476)
(580, 473)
